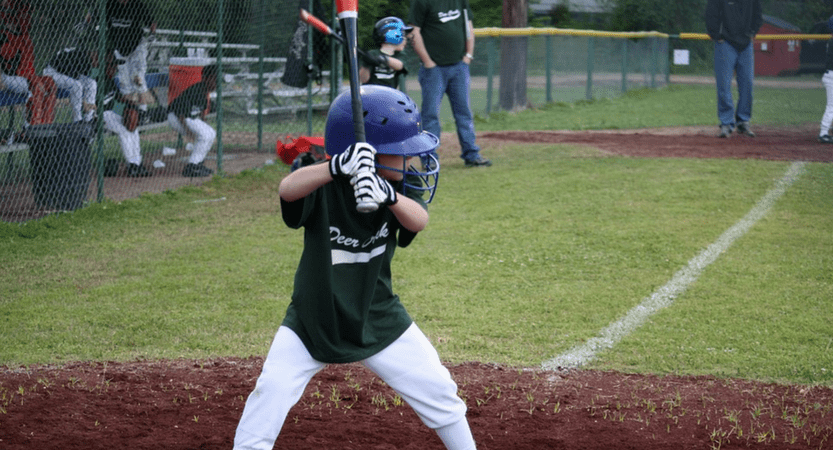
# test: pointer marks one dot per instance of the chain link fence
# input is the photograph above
(75, 130)
(69, 100)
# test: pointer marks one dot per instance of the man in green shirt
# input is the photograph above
(343, 307)
(443, 38)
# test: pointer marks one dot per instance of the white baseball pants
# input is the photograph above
(133, 67)
(205, 136)
(129, 140)
(410, 365)
(827, 118)
(16, 84)
(81, 90)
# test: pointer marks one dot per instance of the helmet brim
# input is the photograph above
(423, 142)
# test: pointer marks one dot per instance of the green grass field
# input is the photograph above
(520, 263)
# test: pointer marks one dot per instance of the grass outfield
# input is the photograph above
(519, 264)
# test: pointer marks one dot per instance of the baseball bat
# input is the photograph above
(348, 15)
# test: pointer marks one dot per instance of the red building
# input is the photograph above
(776, 57)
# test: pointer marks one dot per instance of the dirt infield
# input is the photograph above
(771, 143)
(192, 405)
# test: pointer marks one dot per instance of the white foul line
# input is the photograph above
(664, 296)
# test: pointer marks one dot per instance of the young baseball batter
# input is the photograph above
(343, 308)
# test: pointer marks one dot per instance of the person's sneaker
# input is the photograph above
(137, 170)
(478, 162)
(743, 128)
(725, 131)
(196, 170)
(826, 139)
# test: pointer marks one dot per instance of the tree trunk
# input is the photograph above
(513, 51)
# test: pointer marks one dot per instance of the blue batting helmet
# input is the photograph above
(393, 126)
(390, 30)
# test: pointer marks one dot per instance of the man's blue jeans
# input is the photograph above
(453, 80)
(729, 61)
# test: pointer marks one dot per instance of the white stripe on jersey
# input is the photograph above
(345, 257)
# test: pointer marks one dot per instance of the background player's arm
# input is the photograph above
(303, 181)
(395, 63)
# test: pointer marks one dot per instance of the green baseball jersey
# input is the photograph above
(383, 74)
(442, 25)
(343, 307)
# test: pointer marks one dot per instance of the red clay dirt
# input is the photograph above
(195, 405)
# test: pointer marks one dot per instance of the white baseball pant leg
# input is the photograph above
(129, 140)
(827, 118)
(90, 87)
(287, 370)
(410, 365)
(18, 85)
(205, 136)
(81, 89)
(136, 65)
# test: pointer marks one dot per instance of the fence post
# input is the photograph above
(624, 65)
(654, 57)
(549, 67)
(490, 69)
(220, 8)
(591, 53)
(310, 60)
(99, 100)
(669, 57)
(262, 44)
(335, 59)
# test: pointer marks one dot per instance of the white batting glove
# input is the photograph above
(370, 187)
(358, 157)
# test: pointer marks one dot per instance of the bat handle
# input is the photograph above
(366, 207)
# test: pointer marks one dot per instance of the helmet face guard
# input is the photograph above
(419, 180)
(393, 126)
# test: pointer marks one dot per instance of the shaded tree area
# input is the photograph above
(657, 15)
(688, 16)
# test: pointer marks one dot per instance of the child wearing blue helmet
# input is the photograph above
(382, 66)
(343, 307)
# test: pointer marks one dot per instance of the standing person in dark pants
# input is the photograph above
(443, 38)
(732, 24)
(186, 115)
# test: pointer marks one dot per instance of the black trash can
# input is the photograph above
(60, 163)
